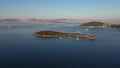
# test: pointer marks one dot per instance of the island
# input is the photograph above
(55, 34)
(95, 24)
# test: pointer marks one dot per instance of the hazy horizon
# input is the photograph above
(59, 33)
(59, 9)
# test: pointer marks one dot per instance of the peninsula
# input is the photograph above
(95, 24)
(55, 34)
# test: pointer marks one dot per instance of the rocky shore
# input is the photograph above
(55, 34)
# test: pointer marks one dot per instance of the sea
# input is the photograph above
(20, 49)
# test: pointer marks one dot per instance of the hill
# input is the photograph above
(93, 23)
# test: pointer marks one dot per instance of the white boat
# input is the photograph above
(86, 29)
(60, 38)
(77, 38)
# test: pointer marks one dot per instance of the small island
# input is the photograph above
(95, 24)
(55, 34)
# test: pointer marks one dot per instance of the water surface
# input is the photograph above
(20, 49)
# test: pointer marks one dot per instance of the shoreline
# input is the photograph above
(55, 34)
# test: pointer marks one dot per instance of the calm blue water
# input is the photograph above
(20, 49)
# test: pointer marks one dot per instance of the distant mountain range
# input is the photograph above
(33, 21)
(9, 21)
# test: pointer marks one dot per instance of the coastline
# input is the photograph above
(55, 34)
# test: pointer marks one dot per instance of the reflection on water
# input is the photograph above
(20, 49)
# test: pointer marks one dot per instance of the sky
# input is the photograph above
(54, 9)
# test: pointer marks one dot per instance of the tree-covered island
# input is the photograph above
(95, 24)
(55, 34)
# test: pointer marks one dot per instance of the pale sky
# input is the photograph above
(50, 9)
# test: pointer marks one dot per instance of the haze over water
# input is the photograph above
(20, 49)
